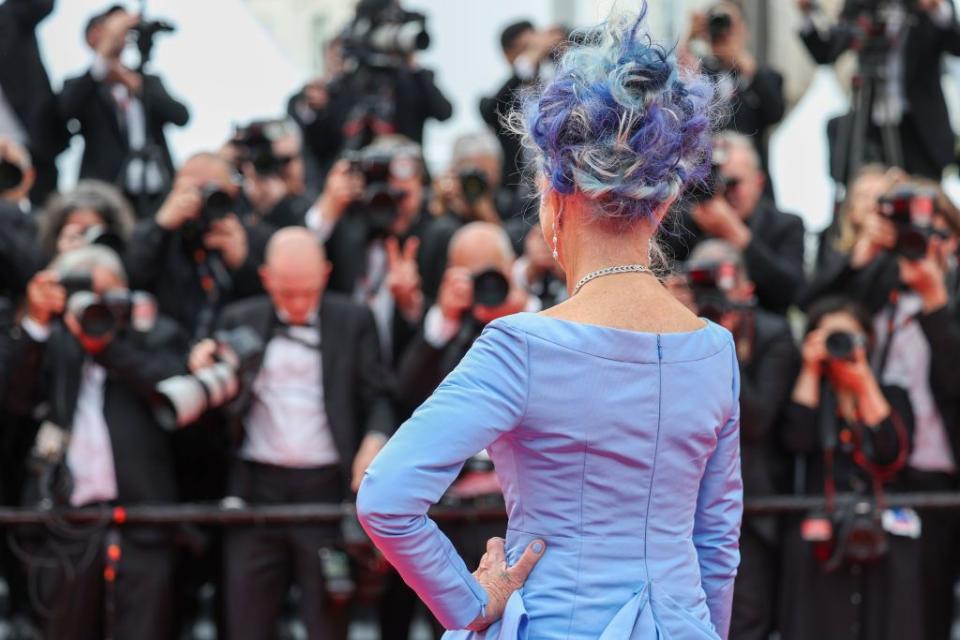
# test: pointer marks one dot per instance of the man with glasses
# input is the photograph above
(771, 241)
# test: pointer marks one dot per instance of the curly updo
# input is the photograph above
(620, 123)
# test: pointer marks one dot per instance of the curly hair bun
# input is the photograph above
(620, 123)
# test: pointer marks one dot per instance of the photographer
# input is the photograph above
(121, 114)
(902, 44)
(370, 219)
(853, 571)
(195, 255)
(769, 361)
(269, 156)
(525, 50)
(903, 269)
(537, 273)
(314, 412)
(28, 110)
(751, 92)
(771, 241)
(468, 191)
(91, 359)
(93, 212)
(18, 260)
(382, 90)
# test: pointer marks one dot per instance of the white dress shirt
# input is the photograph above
(89, 452)
(908, 366)
(287, 422)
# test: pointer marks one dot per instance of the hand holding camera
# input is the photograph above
(113, 36)
(878, 234)
(46, 297)
(927, 276)
(184, 203)
(228, 236)
(718, 219)
(456, 293)
(343, 187)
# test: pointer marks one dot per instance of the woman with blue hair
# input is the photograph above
(612, 418)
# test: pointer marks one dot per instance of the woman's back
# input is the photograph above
(602, 438)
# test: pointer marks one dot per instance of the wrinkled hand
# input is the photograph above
(500, 581)
(718, 219)
(369, 448)
(403, 276)
(343, 186)
(113, 34)
(228, 236)
(45, 297)
(202, 355)
(878, 234)
(183, 204)
(456, 292)
(927, 277)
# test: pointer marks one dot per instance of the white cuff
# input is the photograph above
(439, 330)
(320, 226)
(34, 329)
(100, 68)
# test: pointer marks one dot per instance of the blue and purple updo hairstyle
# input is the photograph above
(620, 123)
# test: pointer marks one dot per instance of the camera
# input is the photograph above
(217, 204)
(842, 344)
(714, 184)
(719, 23)
(473, 184)
(852, 535)
(180, 400)
(101, 316)
(11, 175)
(255, 144)
(100, 234)
(382, 29)
(490, 288)
(911, 211)
(380, 202)
(710, 285)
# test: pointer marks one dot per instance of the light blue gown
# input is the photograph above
(619, 449)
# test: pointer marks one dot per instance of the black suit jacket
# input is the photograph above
(492, 108)
(49, 373)
(924, 47)
(357, 388)
(774, 257)
(755, 106)
(24, 79)
(106, 147)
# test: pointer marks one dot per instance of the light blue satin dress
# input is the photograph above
(619, 449)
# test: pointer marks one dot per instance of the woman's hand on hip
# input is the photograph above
(499, 580)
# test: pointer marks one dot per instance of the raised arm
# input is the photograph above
(482, 400)
(716, 529)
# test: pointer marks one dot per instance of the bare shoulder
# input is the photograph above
(646, 309)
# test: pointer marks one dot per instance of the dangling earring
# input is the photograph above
(556, 218)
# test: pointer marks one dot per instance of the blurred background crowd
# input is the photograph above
(246, 322)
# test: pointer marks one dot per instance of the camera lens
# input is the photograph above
(719, 24)
(840, 345)
(490, 288)
(10, 175)
(217, 203)
(473, 185)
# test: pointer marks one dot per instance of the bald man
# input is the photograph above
(317, 412)
(192, 264)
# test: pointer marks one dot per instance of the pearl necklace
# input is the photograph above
(599, 273)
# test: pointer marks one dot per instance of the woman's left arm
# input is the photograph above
(716, 530)
(480, 401)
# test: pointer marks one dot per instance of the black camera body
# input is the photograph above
(719, 23)
(380, 203)
(711, 284)
(842, 344)
(490, 288)
(255, 142)
(383, 33)
(217, 204)
(473, 185)
(911, 211)
(11, 175)
(104, 315)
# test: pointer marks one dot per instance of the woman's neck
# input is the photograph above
(595, 253)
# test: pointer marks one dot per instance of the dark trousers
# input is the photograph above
(77, 595)
(261, 562)
(939, 554)
(755, 589)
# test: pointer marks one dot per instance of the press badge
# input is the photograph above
(901, 522)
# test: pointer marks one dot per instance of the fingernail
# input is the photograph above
(537, 547)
